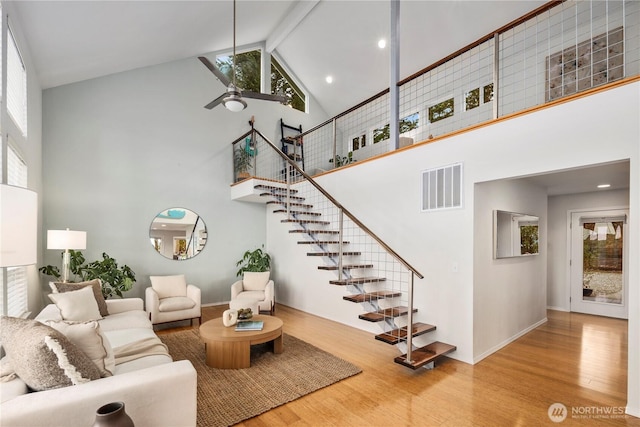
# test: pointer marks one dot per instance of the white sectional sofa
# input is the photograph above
(156, 391)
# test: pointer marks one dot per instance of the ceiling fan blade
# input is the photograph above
(223, 79)
(267, 97)
(215, 102)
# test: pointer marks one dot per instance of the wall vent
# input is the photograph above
(442, 188)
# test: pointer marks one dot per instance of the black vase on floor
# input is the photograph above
(112, 415)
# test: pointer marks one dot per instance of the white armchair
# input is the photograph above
(256, 286)
(170, 298)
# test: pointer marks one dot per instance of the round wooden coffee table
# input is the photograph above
(230, 349)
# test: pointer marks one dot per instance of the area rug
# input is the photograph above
(229, 396)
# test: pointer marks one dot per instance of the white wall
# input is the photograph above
(32, 149)
(558, 291)
(509, 294)
(385, 194)
(121, 148)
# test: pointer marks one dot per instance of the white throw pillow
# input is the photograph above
(77, 305)
(169, 286)
(88, 337)
(255, 281)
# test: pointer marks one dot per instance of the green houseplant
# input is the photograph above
(342, 161)
(254, 261)
(242, 163)
(115, 280)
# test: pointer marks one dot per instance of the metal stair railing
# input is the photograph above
(273, 165)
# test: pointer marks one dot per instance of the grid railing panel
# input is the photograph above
(340, 241)
(562, 50)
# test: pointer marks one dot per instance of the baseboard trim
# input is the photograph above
(550, 307)
(508, 341)
(634, 412)
(214, 304)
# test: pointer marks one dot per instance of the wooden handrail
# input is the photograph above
(339, 206)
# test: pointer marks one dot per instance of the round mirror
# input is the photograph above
(178, 233)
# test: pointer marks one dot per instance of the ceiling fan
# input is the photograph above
(232, 98)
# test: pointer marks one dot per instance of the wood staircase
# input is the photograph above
(299, 215)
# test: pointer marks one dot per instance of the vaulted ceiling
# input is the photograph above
(72, 41)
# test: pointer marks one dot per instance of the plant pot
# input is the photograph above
(242, 176)
(586, 292)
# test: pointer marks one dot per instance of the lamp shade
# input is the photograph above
(18, 226)
(234, 103)
(66, 239)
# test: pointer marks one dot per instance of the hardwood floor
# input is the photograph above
(574, 359)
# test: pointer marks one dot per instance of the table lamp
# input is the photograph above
(66, 239)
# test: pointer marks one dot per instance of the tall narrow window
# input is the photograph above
(472, 99)
(16, 85)
(16, 292)
(487, 93)
(283, 84)
(247, 68)
(16, 167)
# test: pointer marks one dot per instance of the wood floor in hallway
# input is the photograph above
(576, 360)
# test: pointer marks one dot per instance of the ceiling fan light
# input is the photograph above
(234, 103)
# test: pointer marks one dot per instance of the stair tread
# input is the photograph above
(305, 221)
(396, 335)
(380, 315)
(274, 188)
(371, 296)
(292, 197)
(423, 355)
(357, 280)
(344, 253)
(344, 267)
(297, 212)
(322, 242)
(315, 231)
(280, 202)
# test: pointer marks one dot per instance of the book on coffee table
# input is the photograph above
(249, 325)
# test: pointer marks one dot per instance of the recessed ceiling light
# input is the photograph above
(382, 43)
(604, 185)
(329, 79)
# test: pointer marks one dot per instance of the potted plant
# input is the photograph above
(342, 161)
(254, 261)
(115, 280)
(242, 163)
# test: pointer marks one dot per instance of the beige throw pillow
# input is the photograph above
(169, 286)
(77, 305)
(43, 357)
(255, 281)
(96, 285)
(89, 338)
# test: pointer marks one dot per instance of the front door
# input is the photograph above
(598, 263)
